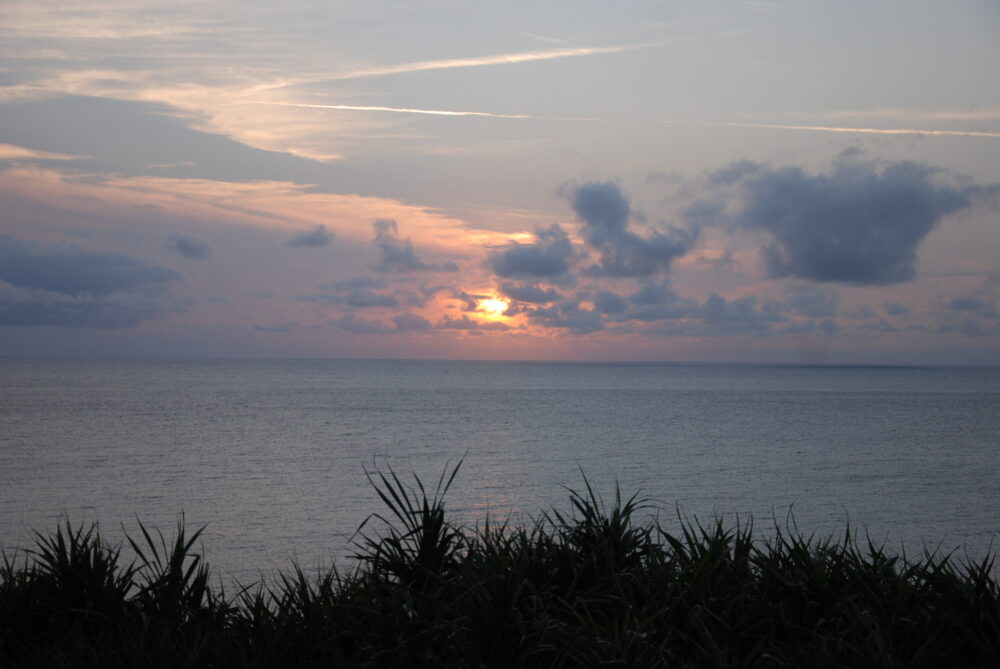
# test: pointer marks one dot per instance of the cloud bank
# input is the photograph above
(54, 286)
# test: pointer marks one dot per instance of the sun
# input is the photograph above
(492, 306)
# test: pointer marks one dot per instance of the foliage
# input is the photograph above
(591, 587)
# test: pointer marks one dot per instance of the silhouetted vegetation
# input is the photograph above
(591, 586)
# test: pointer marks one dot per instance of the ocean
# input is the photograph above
(271, 456)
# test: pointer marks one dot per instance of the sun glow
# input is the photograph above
(493, 307)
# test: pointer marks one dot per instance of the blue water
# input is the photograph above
(271, 455)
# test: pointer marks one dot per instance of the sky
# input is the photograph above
(720, 181)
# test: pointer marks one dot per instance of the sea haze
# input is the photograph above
(272, 455)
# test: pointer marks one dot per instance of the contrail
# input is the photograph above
(872, 131)
(499, 59)
(431, 112)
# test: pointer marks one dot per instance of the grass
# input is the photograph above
(590, 586)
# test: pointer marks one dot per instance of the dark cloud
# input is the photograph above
(654, 301)
(189, 247)
(314, 238)
(975, 304)
(610, 303)
(423, 295)
(408, 322)
(862, 312)
(724, 262)
(969, 327)
(34, 307)
(529, 293)
(76, 273)
(321, 298)
(732, 173)
(356, 283)
(666, 311)
(652, 292)
(739, 316)
(359, 325)
(896, 309)
(356, 293)
(881, 325)
(812, 302)
(858, 223)
(463, 322)
(605, 213)
(569, 316)
(361, 298)
(396, 256)
(279, 328)
(826, 327)
(548, 258)
(673, 316)
(717, 316)
(470, 301)
(71, 288)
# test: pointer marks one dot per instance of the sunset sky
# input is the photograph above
(803, 182)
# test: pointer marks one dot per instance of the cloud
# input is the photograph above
(361, 298)
(408, 322)
(969, 327)
(716, 317)
(14, 152)
(350, 323)
(896, 309)
(481, 61)
(463, 322)
(402, 110)
(25, 307)
(189, 247)
(652, 292)
(862, 131)
(881, 325)
(856, 224)
(470, 301)
(812, 302)
(605, 213)
(357, 293)
(396, 256)
(723, 262)
(569, 316)
(547, 258)
(314, 238)
(65, 287)
(278, 328)
(529, 293)
(610, 303)
(826, 327)
(656, 303)
(356, 283)
(740, 316)
(972, 303)
(76, 273)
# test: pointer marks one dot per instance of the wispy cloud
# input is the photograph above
(398, 110)
(870, 131)
(903, 114)
(483, 61)
(14, 152)
(431, 112)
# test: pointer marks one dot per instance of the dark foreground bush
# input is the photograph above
(589, 587)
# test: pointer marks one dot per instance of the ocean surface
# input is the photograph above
(271, 456)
